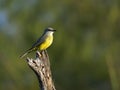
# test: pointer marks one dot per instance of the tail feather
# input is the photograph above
(28, 51)
(23, 55)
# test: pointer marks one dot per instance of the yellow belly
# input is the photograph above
(46, 43)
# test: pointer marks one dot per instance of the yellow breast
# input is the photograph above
(48, 41)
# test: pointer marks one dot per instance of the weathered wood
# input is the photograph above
(41, 67)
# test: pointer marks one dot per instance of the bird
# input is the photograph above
(43, 42)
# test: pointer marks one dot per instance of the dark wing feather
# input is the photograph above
(34, 46)
(38, 42)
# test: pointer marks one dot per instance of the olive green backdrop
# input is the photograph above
(85, 54)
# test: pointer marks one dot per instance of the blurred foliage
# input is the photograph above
(86, 48)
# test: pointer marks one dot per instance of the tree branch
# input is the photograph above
(41, 67)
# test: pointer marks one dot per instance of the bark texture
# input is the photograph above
(41, 67)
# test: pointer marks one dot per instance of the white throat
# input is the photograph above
(49, 33)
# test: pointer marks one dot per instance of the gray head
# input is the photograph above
(49, 30)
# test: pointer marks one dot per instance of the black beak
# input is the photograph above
(54, 30)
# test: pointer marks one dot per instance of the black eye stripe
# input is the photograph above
(51, 30)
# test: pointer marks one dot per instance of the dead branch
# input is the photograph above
(41, 67)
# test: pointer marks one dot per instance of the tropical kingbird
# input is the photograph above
(43, 42)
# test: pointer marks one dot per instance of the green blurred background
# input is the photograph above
(86, 50)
